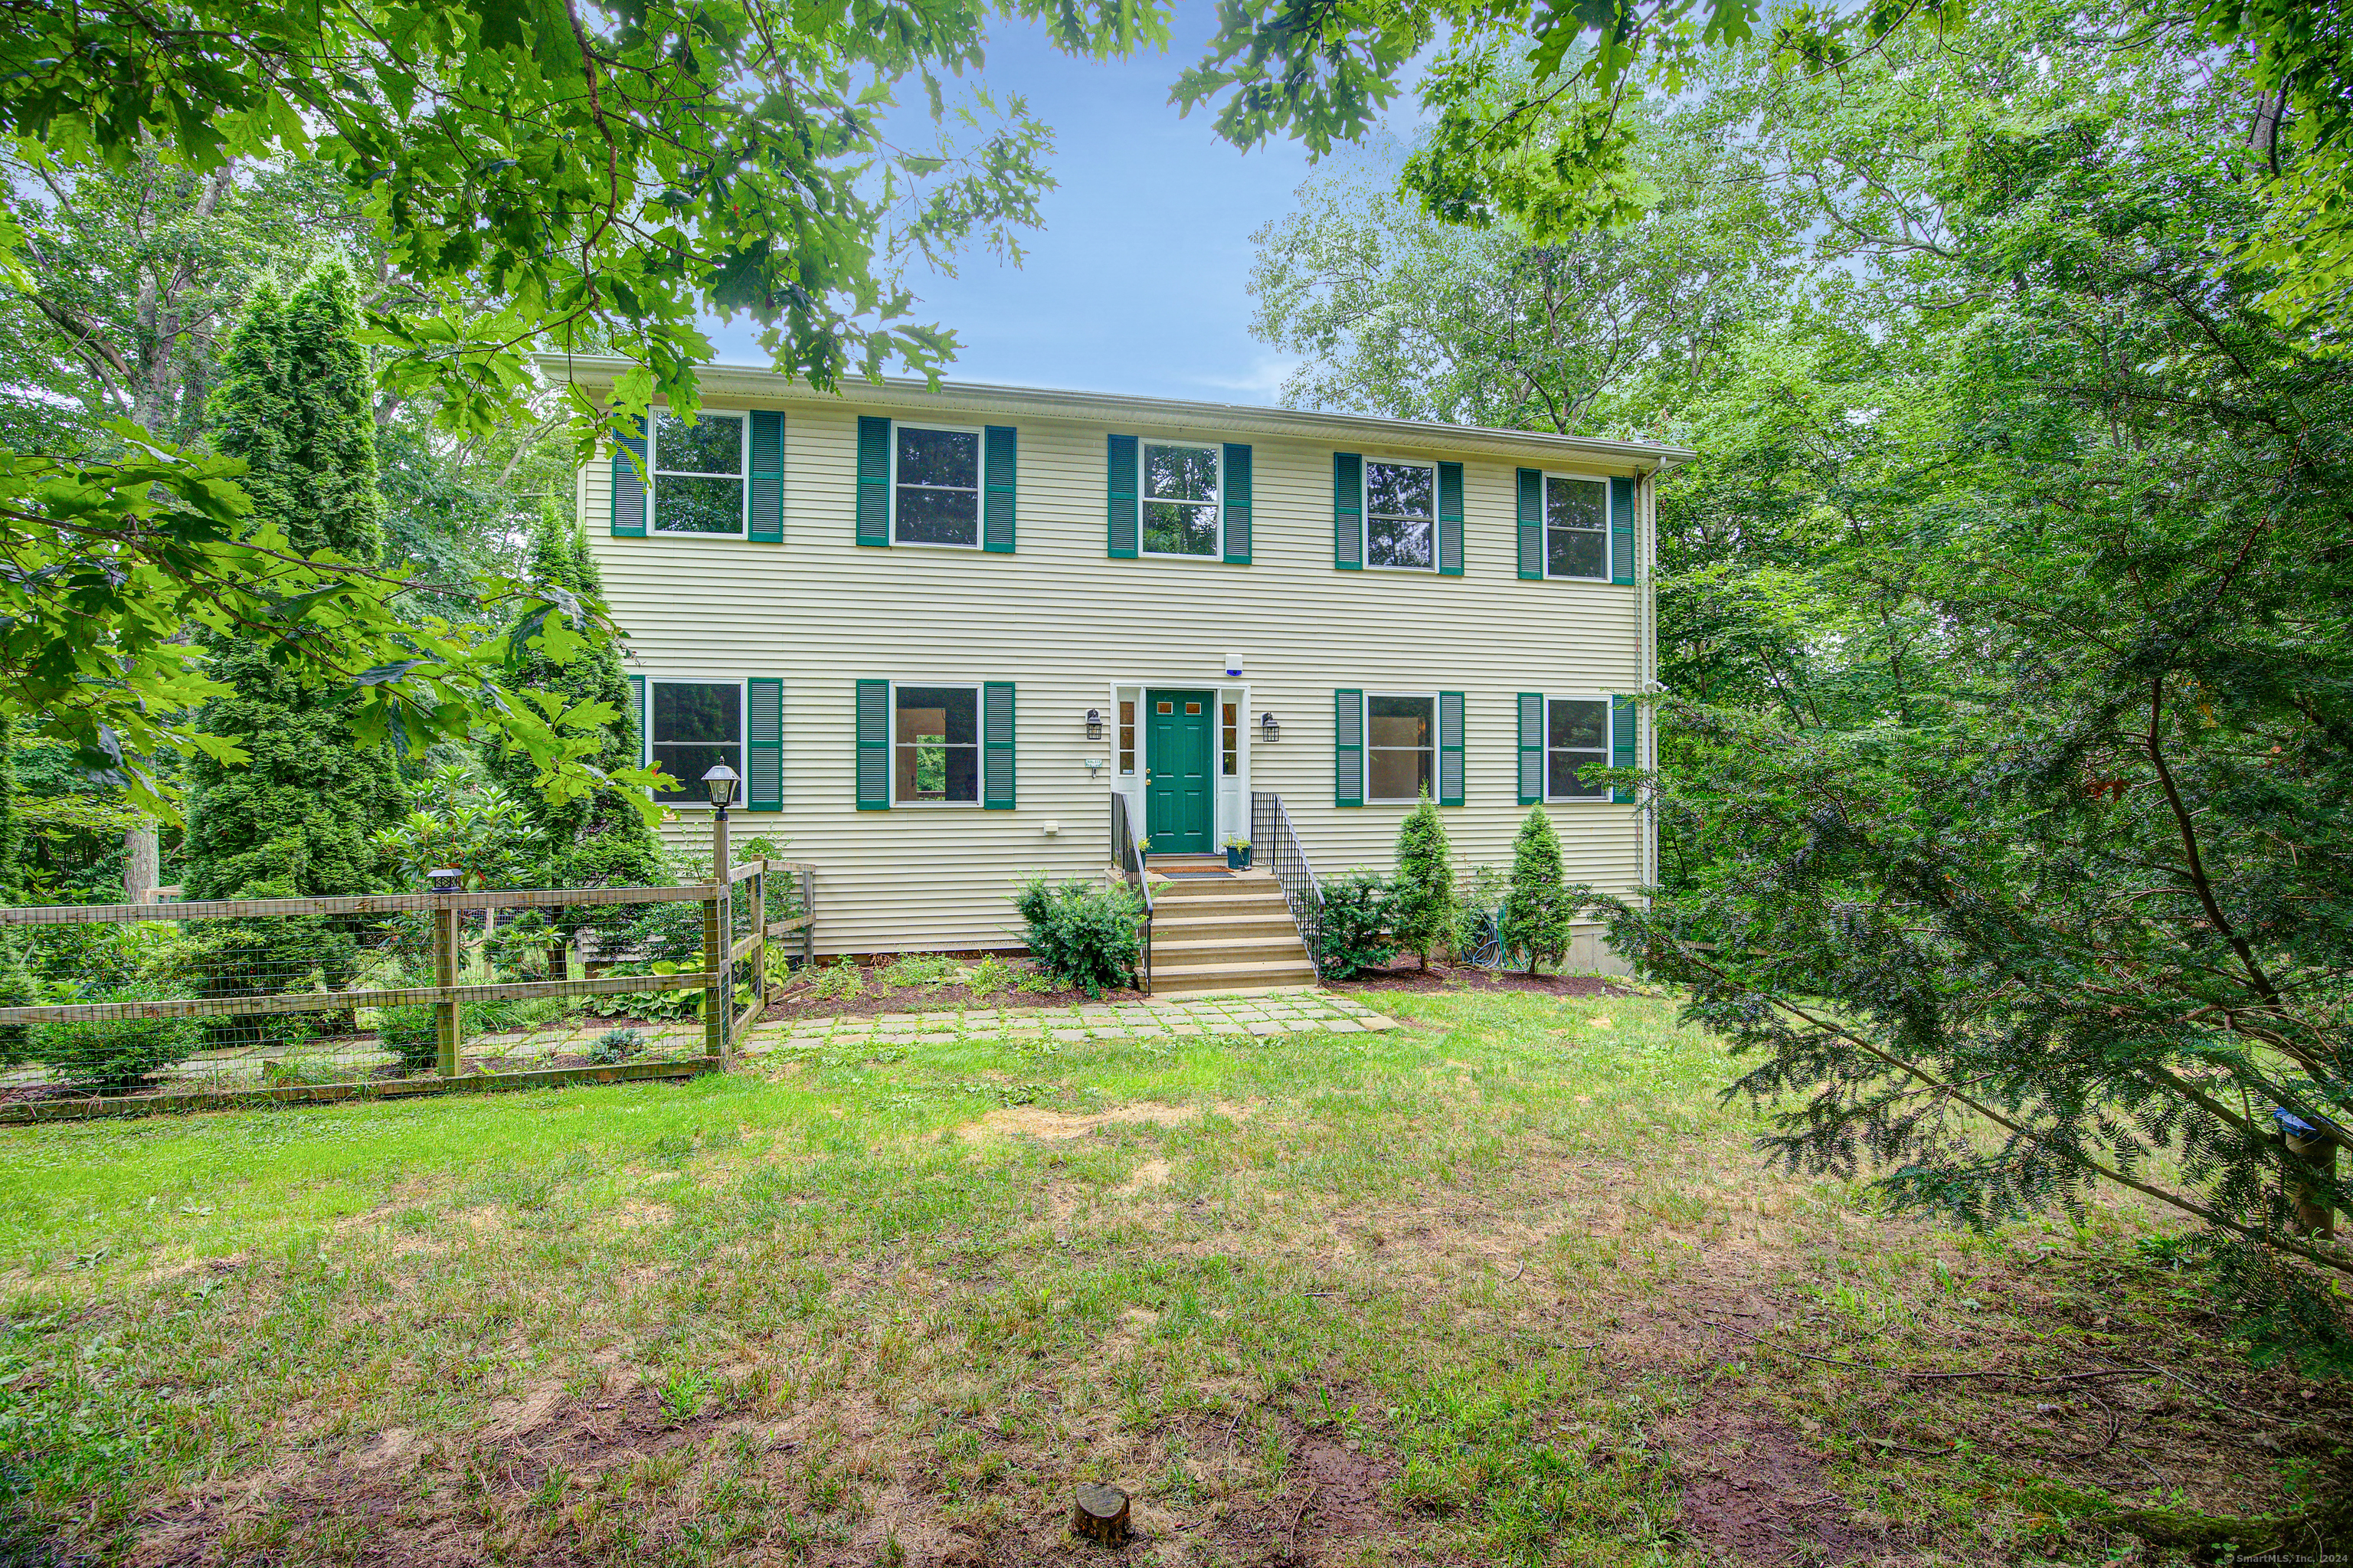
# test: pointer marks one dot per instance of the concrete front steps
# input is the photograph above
(1219, 931)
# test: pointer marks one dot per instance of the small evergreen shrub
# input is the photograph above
(1082, 935)
(616, 1046)
(119, 1052)
(1352, 933)
(1423, 908)
(1536, 919)
(408, 1033)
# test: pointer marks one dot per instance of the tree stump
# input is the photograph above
(1100, 1513)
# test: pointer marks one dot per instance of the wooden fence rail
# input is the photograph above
(726, 953)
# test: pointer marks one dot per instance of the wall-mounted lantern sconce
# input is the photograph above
(1094, 724)
(1268, 728)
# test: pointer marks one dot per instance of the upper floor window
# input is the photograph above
(935, 486)
(698, 473)
(1181, 486)
(1577, 526)
(1400, 513)
(693, 726)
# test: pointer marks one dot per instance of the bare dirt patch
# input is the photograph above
(1752, 1492)
(796, 1000)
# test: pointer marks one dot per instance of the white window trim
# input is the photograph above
(1545, 522)
(979, 501)
(979, 732)
(654, 472)
(743, 726)
(1437, 743)
(1364, 512)
(1609, 742)
(1144, 498)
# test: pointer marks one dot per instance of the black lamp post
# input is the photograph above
(721, 782)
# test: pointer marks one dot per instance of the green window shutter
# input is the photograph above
(996, 465)
(1532, 748)
(1238, 505)
(1347, 511)
(767, 477)
(1532, 540)
(1621, 530)
(764, 752)
(997, 745)
(1621, 743)
(873, 480)
(1121, 525)
(637, 697)
(629, 483)
(1450, 519)
(873, 746)
(1449, 748)
(1349, 748)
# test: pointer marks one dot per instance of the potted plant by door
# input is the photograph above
(1144, 849)
(1237, 854)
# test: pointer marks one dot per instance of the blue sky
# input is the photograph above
(1137, 282)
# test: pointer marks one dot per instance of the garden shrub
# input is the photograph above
(1082, 935)
(934, 970)
(988, 978)
(1422, 904)
(1537, 920)
(120, 1053)
(1352, 935)
(616, 1046)
(17, 988)
(410, 1034)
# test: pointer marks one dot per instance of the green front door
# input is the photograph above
(1180, 771)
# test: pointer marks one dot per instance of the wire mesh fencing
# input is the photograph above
(384, 992)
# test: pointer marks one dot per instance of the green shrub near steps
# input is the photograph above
(1351, 932)
(1081, 934)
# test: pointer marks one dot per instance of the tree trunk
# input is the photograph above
(1100, 1513)
(141, 867)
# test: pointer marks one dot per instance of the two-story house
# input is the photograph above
(936, 630)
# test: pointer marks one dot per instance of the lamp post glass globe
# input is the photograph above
(720, 782)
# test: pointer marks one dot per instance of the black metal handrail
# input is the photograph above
(1271, 835)
(1129, 860)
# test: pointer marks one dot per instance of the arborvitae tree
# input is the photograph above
(1537, 916)
(1423, 908)
(297, 818)
(598, 840)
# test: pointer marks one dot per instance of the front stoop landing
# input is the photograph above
(1219, 931)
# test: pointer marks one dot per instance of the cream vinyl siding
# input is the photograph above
(1065, 622)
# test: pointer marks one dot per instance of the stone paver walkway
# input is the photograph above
(1303, 1012)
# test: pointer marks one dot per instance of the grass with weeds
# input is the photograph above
(1506, 1285)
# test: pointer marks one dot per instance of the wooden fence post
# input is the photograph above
(809, 915)
(447, 1022)
(760, 926)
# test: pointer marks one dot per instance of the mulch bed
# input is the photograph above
(796, 1000)
(1470, 976)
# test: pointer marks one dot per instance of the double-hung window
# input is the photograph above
(935, 486)
(1182, 487)
(691, 728)
(1576, 736)
(936, 745)
(698, 473)
(1577, 526)
(1401, 746)
(1400, 514)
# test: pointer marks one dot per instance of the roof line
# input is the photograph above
(1649, 454)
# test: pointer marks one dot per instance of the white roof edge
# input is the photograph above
(597, 369)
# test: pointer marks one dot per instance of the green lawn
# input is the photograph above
(1507, 1285)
